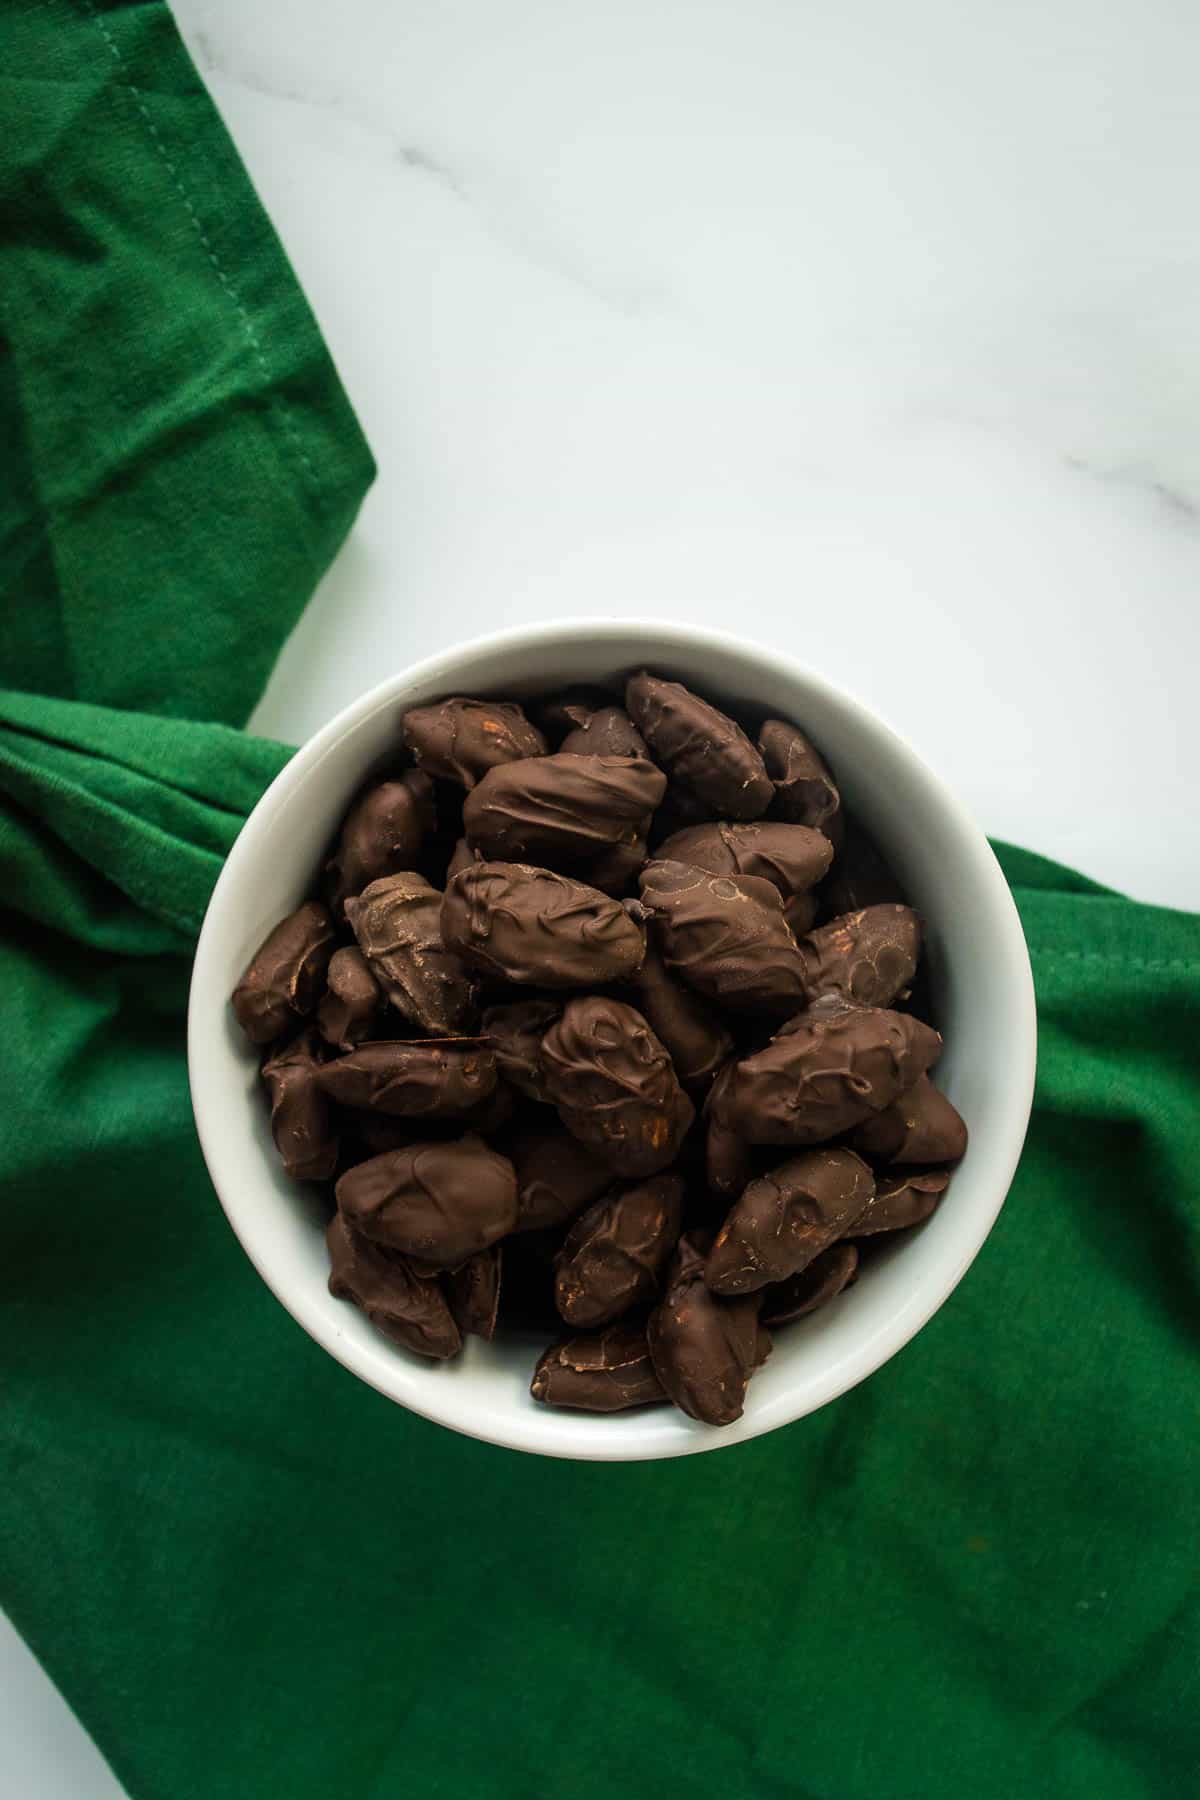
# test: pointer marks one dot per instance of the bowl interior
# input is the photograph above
(981, 985)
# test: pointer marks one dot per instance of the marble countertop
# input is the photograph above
(867, 332)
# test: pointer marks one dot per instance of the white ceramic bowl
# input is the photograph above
(979, 969)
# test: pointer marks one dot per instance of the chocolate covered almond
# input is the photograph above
(786, 1218)
(614, 1086)
(868, 957)
(805, 791)
(302, 1124)
(349, 1010)
(922, 1126)
(901, 1201)
(826, 1070)
(562, 808)
(609, 731)
(286, 975)
(401, 1300)
(726, 936)
(381, 835)
(440, 1203)
(460, 739)
(704, 1349)
(793, 858)
(431, 1078)
(397, 922)
(705, 752)
(522, 924)
(613, 1255)
(599, 1371)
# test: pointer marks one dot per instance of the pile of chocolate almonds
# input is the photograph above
(623, 1036)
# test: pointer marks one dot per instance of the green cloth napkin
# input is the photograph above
(975, 1574)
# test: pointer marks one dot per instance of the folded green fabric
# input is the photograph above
(250, 1574)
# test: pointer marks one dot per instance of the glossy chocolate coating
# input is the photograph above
(614, 1086)
(557, 1176)
(402, 1301)
(421, 1078)
(302, 1122)
(704, 1349)
(793, 858)
(868, 957)
(703, 750)
(473, 1293)
(902, 1200)
(556, 808)
(697, 1041)
(460, 740)
(805, 791)
(397, 922)
(437, 1202)
(922, 1126)
(726, 936)
(614, 1253)
(349, 1010)
(515, 1032)
(599, 1371)
(825, 1071)
(609, 731)
(529, 925)
(286, 974)
(823, 1279)
(786, 1218)
(381, 835)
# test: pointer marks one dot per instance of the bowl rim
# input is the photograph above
(541, 1430)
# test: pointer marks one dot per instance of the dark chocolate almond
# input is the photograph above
(614, 1086)
(599, 1371)
(704, 751)
(805, 791)
(397, 922)
(284, 981)
(614, 1253)
(786, 1218)
(460, 740)
(432, 1078)
(402, 1301)
(381, 835)
(922, 1126)
(527, 925)
(868, 957)
(826, 1070)
(793, 858)
(301, 1118)
(901, 1201)
(350, 1008)
(439, 1203)
(726, 936)
(704, 1349)
(562, 808)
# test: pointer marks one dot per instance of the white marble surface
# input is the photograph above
(869, 331)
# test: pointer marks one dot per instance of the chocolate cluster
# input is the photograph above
(605, 1023)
